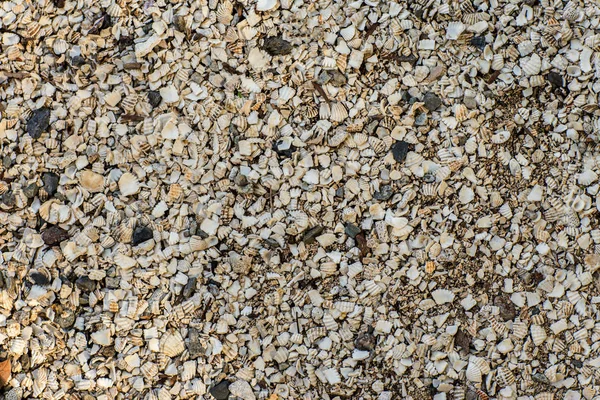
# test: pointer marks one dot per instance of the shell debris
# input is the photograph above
(286, 199)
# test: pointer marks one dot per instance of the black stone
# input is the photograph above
(221, 390)
(194, 346)
(555, 79)
(577, 363)
(479, 42)
(540, 378)
(339, 192)
(8, 198)
(38, 122)
(432, 101)
(276, 46)
(85, 283)
(54, 235)
(282, 150)
(78, 61)
(106, 22)
(365, 342)
(189, 288)
(351, 230)
(39, 278)
(141, 234)
(50, 180)
(311, 234)
(384, 193)
(400, 150)
(154, 98)
(31, 190)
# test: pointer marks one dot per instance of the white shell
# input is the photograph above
(265, 5)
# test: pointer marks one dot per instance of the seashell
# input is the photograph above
(454, 30)
(473, 373)
(532, 65)
(338, 138)
(114, 10)
(128, 184)
(172, 344)
(225, 12)
(60, 46)
(504, 377)
(538, 335)
(461, 112)
(265, 5)
(338, 112)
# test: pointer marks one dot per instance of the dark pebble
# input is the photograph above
(508, 311)
(400, 150)
(154, 98)
(31, 190)
(38, 122)
(78, 61)
(39, 278)
(195, 348)
(284, 149)
(310, 236)
(577, 363)
(479, 42)
(54, 235)
(421, 119)
(7, 162)
(334, 77)
(276, 46)
(189, 288)
(384, 193)
(432, 101)
(106, 22)
(555, 79)
(471, 394)
(141, 234)
(540, 378)
(85, 283)
(361, 242)
(8, 198)
(365, 342)
(351, 230)
(50, 180)
(65, 319)
(112, 282)
(462, 340)
(339, 192)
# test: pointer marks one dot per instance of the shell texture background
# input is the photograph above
(293, 199)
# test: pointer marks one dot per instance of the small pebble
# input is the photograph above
(154, 98)
(384, 193)
(400, 150)
(141, 234)
(555, 79)
(432, 101)
(310, 235)
(365, 342)
(31, 190)
(351, 230)
(276, 46)
(50, 181)
(38, 122)
(85, 284)
(220, 391)
(54, 235)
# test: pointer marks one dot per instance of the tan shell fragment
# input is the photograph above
(91, 181)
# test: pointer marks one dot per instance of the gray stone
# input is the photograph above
(432, 101)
